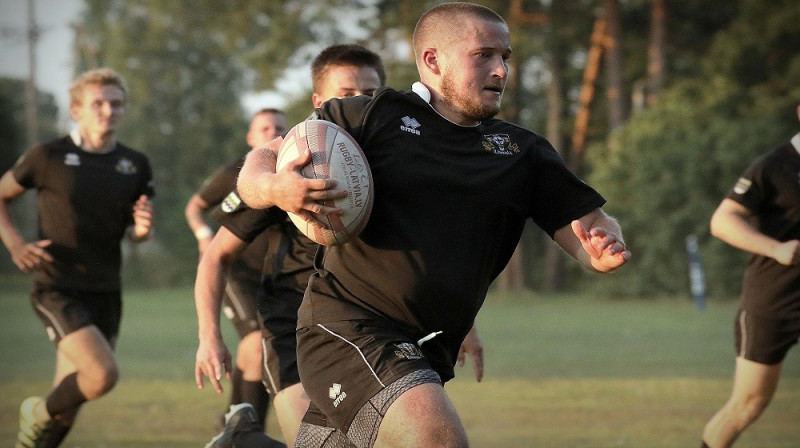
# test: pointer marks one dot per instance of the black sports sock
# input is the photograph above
(236, 386)
(65, 396)
(56, 435)
(255, 393)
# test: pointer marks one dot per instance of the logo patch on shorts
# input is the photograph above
(408, 351)
(335, 393)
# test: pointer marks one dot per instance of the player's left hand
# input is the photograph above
(142, 218)
(472, 346)
(213, 360)
(606, 250)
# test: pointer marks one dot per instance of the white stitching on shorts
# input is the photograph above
(743, 330)
(359, 353)
(55, 324)
(267, 374)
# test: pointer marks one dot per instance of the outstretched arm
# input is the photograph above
(595, 240)
(732, 223)
(260, 186)
(213, 359)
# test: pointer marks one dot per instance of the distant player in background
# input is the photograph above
(91, 191)
(761, 215)
(244, 274)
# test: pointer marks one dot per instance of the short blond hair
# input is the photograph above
(100, 77)
(440, 23)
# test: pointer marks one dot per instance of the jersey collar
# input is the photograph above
(796, 142)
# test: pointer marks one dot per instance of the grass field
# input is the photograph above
(560, 372)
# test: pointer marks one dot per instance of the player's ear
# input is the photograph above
(316, 100)
(430, 60)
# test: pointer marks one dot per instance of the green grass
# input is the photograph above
(560, 372)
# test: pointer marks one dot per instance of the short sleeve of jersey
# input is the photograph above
(245, 222)
(27, 169)
(217, 186)
(751, 188)
(554, 180)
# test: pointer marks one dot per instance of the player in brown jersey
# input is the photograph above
(761, 215)
(244, 274)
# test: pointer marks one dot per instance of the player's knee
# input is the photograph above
(102, 380)
(749, 409)
(451, 437)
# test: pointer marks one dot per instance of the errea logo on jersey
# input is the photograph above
(72, 159)
(335, 393)
(410, 125)
(500, 144)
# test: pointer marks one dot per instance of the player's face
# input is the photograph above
(100, 110)
(474, 71)
(265, 127)
(341, 81)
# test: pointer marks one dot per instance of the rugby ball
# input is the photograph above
(334, 155)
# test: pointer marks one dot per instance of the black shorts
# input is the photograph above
(764, 340)
(279, 340)
(239, 300)
(344, 364)
(63, 312)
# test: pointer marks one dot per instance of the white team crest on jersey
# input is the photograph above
(742, 185)
(410, 125)
(500, 144)
(125, 166)
(72, 159)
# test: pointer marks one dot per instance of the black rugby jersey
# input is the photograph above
(85, 204)
(214, 190)
(450, 206)
(289, 261)
(770, 188)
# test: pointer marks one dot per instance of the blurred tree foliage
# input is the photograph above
(13, 131)
(666, 171)
(731, 72)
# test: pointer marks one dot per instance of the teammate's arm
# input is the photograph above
(599, 245)
(27, 256)
(213, 358)
(732, 223)
(195, 216)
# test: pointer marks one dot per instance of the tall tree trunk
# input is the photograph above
(575, 161)
(513, 277)
(614, 89)
(655, 52)
(553, 279)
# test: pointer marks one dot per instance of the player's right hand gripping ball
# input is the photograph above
(334, 155)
